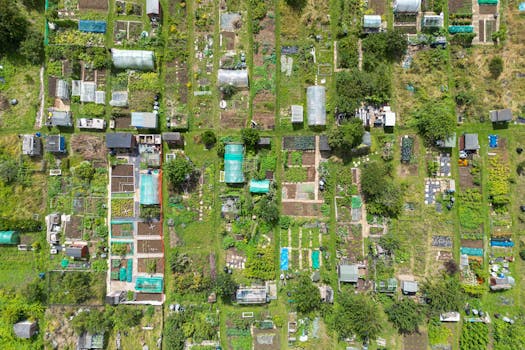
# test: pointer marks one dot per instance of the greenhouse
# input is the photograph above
(92, 26)
(432, 21)
(316, 105)
(237, 78)
(87, 91)
(9, 237)
(133, 59)
(233, 161)
(372, 21)
(144, 120)
(407, 6)
(259, 186)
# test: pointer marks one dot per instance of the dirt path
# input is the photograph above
(41, 96)
(300, 248)
(360, 51)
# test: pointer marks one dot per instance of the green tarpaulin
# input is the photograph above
(149, 284)
(460, 29)
(356, 202)
(487, 2)
(259, 186)
(9, 237)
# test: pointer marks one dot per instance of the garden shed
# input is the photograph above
(237, 78)
(390, 117)
(470, 142)
(371, 22)
(31, 145)
(409, 287)
(324, 146)
(88, 341)
(233, 163)
(77, 251)
(259, 186)
(173, 139)
(264, 142)
(316, 105)
(100, 97)
(59, 118)
(407, 6)
(55, 144)
(9, 237)
(133, 59)
(62, 90)
(152, 7)
(92, 26)
(25, 329)
(144, 120)
(501, 115)
(348, 273)
(297, 114)
(120, 141)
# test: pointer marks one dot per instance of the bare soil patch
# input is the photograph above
(228, 40)
(122, 170)
(488, 9)
(379, 6)
(456, 6)
(308, 158)
(73, 228)
(148, 296)
(149, 228)
(310, 174)
(301, 209)
(265, 120)
(289, 191)
(90, 147)
(465, 178)
(232, 120)
(415, 341)
(472, 243)
(122, 230)
(149, 246)
(93, 4)
(266, 339)
(265, 39)
(122, 184)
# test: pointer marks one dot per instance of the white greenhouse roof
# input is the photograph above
(371, 21)
(133, 59)
(316, 105)
(119, 99)
(297, 114)
(87, 91)
(75, 87)
(100, 97)
(407, 6)
(238, 78)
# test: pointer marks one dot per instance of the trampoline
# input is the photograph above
(284, 259)
(315, 259)
(149, 192)
(493, 141)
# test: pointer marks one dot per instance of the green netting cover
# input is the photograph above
(129, 271)
(259, 186)
(9, 237)
(122, 274)
(233, 159)
(149, 284)
(315, 259)
(471, 251)
(460, 29)
(149, 190)
(356, 202)
(487, 2)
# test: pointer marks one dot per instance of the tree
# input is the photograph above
(250, 137)
(496, 67)
(405, 315)
(390, 242)
(208, 138)
(268, 211)
(357, 314)
(347, 136)
(34, 4)
(522, 254)
(34, 292)
(443, 295)
(84, 171)
(435, 121)
(382, 194)
(13, 26)
(76, 284)
(396, 44)
(306, 295)
(8, 170)
(32, 48)
(225, 286)
(178, 170)
(125, 317)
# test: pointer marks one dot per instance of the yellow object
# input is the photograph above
(463, 162)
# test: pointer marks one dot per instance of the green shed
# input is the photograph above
(259, 186)
(9, 237)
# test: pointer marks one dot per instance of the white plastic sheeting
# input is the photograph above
(119, 99)
(407, 6)
(152, 7)
(316, 105)
(87, 91)
(238, 78)
(372, 21)
(133, 59)
(100, 97)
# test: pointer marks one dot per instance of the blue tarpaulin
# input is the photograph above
(471, 251)
(92, 26)
(501, 243)
(521, 7)
(493, 141)
(284, 259)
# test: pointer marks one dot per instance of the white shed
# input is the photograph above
(297, 114)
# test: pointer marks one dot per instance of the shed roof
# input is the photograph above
(119, 140)
(449, 142)
(91, 123)
(323, 144)
(31, 145)
(152, 7)
(316, 105)
(25, 329)
(367, 139)
(55, 143)
(62, 89)
(144, 120)
(259, 186)
(119, 99)
(471, 142)
(235, 77)
(9, 237)
(409, 286)
(133, 59)
(87, 91)
(501, 115)
(59, 118)
(390, 118)
(264, 141)
(76, 251)
(297, 114)
(348, 273)
(100, 97)
(233, 162)
(172, 136)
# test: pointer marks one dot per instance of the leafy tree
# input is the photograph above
(382, 194)
(443, 295)
(125, 317)
(405, 315)
(435, 121)
(225, 286)
(306, 295)
(32, 48)
(34, 4)
(357, 314)
(8, 170)
(347, 135)
(347, 53)
(84, 171)
(390, 242)
(178, 170)
(208, 138)
(250, 137)
(13, 26)
(496, 67)
(396, 44)
(173, 334)
(93, 321)
(522, 254)
(268, 211)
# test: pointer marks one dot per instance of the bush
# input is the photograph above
(32, 48)
(496, 67)
(208, 138)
